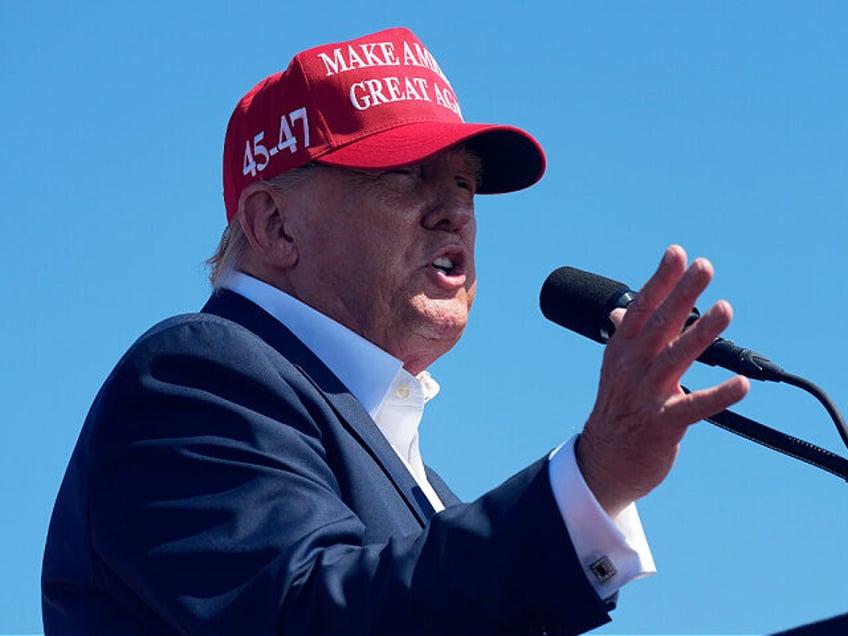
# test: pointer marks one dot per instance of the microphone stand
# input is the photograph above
(787, 444)
(804, 451)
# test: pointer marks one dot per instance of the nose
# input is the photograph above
(452, 208)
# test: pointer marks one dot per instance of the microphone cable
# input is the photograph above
(581, 302)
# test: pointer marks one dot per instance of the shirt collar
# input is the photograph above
(367, 371)
(389, 393)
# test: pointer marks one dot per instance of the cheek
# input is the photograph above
(471, 292)
(393, 254)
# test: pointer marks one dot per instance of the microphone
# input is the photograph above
(582, 302)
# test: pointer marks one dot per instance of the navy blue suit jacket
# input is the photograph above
(226, 482)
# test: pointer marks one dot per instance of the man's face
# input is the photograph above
(390, 254)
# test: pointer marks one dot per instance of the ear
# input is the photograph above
(262, 213)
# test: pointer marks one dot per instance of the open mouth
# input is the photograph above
(446, 265)
(450, 267)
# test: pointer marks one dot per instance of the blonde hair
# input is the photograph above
(234, 244)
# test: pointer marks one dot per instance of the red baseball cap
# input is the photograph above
(376, 102)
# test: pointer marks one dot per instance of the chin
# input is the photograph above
(443, 320)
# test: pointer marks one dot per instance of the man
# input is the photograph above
(254, 468)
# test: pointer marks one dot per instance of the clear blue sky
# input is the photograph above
(721, 126)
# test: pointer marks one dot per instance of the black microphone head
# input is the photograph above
(582, 301)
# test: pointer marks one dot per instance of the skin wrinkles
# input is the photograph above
(359, 247)
(632, 436)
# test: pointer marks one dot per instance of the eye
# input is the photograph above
(403, 179)
(469, 171)
(466, 184)
(407, 171)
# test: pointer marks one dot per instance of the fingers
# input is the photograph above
(641, 413)
(662, 308)
(664, 304)
(681, 351)
(701, 404)
(653, 293)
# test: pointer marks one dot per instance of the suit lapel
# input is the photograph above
(361, 425)
(446, 495)
(238, 309)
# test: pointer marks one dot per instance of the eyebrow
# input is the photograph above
(473, 163)
(473, 160)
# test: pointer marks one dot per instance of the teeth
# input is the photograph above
(443, 263)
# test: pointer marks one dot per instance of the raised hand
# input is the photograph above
(641, 413)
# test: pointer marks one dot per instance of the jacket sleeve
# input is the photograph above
(214, 507)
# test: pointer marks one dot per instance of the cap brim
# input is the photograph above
(512, 159)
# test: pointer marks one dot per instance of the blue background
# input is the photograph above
(717, 125)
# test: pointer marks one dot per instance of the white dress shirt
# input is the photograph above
(612, 551)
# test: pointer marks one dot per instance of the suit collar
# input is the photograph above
(365, 369)
(238, 309)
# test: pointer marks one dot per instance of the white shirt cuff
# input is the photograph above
(613, 551)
